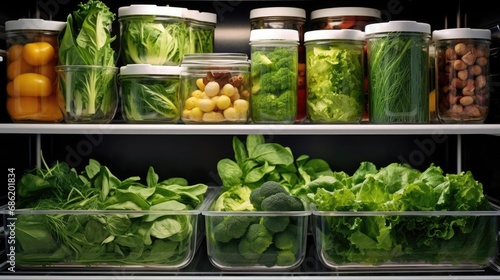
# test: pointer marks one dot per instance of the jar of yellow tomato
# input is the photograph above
(32, 54)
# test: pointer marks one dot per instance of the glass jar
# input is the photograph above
(344, 18)
(32, 54)
(150, 93)
(462, 74)
(151, 34)
(274, 59)
(356, 18)
(398, 65)
(287, 18)
(215, 88)
(90, 93)
(201, 31)
(335, 75)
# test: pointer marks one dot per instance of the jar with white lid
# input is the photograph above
(150, 93)
(344, 18)
(215, 88)
(462, 74)
(274, 63)
(335, 75)
(287, 18)
(398, 70)
(32, 54)
(201, 27)
(151, 34)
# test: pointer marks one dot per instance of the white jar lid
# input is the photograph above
(332, 34)
(346, 11)
(200, 16)
(277, 11)
(148, 69)
(34, 24)
(147, 9)
(461, 33)
(274, 34)
(398, 26)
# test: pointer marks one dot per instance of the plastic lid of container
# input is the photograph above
(274, 34)
(398, 25)
(201, 16)
(148, 69)
(346, 11)
(278, 11)
(331, 34)
(459, 33)
(147, 9)
(34, 24)
(215, 59)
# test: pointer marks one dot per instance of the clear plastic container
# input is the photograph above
(150, 93)
(215, 88)
(32, 54)
(274, 59)
(405, 240)
(287, 18)
(335, 75)
(151, 34)
(462, 74)
(344, 18)
(99, 233)
(225, 254)
(201, 31)
(398, 70)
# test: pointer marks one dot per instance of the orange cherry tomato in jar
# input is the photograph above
(18, 67)
(48, 70)
(30, 84)
(23, 108)
(38, 53)
(14, 52)
(49, 110)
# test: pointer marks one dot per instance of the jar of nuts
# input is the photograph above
(215, 88)
(462, 74)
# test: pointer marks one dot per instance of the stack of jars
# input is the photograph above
(153, 41)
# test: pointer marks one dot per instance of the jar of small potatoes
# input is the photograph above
(32, 54)
(215, 88)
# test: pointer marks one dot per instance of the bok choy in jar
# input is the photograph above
(398, 62)
(87, 71)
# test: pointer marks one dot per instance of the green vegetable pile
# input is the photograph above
(150, 100)
(147, 39)
(257, 162)
(132, 237)
(398, 93)
(274, 84)
(335, 83)
(398, 239)
(257, 239)
(86, 40)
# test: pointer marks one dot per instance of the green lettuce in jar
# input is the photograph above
(335, 75)
(153, 34)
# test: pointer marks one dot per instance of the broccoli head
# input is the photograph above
(282, 202)
(232, 227)
(256, 240)
(275, 223)
(287, 239)
(285, 258)
(274, 107)
(269, 257)
(228, 253)
(265, 190)
(277, 82)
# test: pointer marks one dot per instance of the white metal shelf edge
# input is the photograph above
(276, 129)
